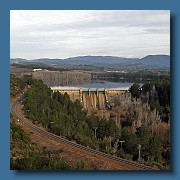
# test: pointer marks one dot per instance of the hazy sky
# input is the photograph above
(65, 33)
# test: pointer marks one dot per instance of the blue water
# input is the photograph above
(102, 85)
(109, 85)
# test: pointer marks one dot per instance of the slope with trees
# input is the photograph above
(136, 122)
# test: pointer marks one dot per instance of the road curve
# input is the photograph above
(78, 146)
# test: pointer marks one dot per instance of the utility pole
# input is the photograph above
(95, 131)
(121, 144)
(116, 145)
(139, 147)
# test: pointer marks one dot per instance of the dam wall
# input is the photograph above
(91, 98)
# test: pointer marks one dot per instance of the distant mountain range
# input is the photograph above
(147, 62)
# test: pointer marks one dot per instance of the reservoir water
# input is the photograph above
(99, 85)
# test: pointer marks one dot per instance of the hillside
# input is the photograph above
(139, 117)
(147, 62)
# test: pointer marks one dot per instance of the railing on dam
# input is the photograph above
(93, 91)
(91, 98)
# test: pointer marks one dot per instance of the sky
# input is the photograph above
(68, 33)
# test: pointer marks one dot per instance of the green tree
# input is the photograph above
(143, 139)
(155, 149)
(131, 142)
(135, 90)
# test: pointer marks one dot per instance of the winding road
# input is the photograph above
(130, 164)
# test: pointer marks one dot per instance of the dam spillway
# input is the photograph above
(94, 100)
(91, 98)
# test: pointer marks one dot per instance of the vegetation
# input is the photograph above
(38, 66)
(104, 74)
(132, 76)
(59, 115)
(157, 94)
(26, 155)
(135, 90)
(140, 120)
(57, 68)
(18, 84)
(150, 146)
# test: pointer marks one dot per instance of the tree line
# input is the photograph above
(138, 77)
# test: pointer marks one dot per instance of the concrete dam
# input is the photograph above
(92, 99)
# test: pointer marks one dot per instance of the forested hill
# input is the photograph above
(147, 62)
(141, 121)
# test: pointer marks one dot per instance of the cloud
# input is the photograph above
(64, 33)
